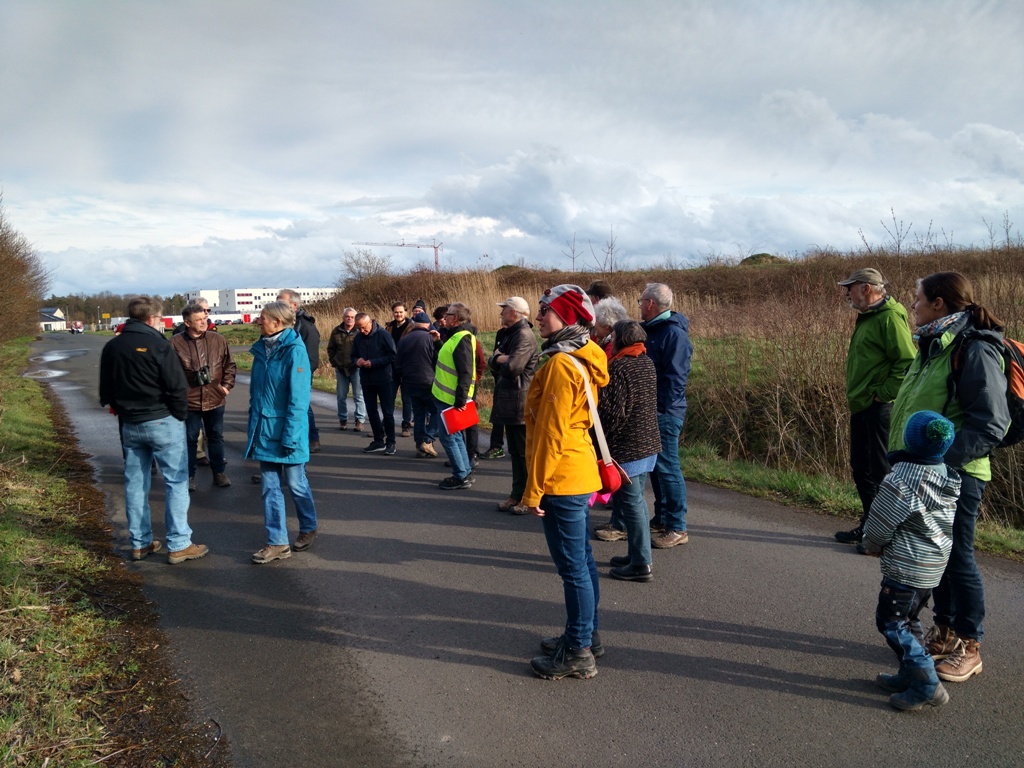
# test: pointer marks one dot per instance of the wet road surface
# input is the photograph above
(402, 637)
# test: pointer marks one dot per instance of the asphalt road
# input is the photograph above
(403, 636)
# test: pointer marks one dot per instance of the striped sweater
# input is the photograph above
(911, 523)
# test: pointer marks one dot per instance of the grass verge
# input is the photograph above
(701, 463)
(83, 675)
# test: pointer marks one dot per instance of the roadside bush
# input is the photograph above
(23, 281)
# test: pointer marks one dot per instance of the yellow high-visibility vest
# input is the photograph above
(445, 377)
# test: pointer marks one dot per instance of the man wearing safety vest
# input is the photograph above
(454, 384)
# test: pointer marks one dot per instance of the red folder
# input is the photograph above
(455, 420)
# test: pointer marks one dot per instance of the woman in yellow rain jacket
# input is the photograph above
(562, 472)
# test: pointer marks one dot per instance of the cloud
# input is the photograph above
(237, 141)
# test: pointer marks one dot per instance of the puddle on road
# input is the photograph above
(57, 355)
(44, 374)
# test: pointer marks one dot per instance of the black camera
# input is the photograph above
(203, 376)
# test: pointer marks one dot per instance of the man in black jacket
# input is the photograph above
(374, 351)
(305, 325)
(144, 384)
(415, 366)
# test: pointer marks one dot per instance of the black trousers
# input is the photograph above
(382, 423)
(869, 447)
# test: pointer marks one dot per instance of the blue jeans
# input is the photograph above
(454, 446)
(407, 412)
(630, 508)
(381, 423)
(960, 596)
(163, 440)
(567, 530)
(212, 424)
(424, 412)
(273, 500)
(344, 381)
(667, 477)
(897, 619)
(314, 433)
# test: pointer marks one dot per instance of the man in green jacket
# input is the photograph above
(881, 350)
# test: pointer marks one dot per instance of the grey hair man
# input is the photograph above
(881, 349)
(305, 325)
(668, 345)
(339, 352)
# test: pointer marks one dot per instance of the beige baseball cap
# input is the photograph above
(867, 275)
(518, 303)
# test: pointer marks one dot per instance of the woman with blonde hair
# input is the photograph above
(279, 429)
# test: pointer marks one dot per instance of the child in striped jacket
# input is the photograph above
(910, 527)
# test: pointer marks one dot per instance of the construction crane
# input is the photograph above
(433, 244)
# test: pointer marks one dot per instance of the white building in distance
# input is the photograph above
(252, 300)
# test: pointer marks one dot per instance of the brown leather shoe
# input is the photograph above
(669, 539)
(507, 504)
(272, 552)
(610, 534)
(191, 552)
(940, 642)
(964, 662)
(304, 540)
(142, 554)
(314, 446)
(358, 427)
(221, 480)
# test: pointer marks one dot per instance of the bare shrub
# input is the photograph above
(23, 281)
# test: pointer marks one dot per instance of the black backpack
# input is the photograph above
(1013, 366)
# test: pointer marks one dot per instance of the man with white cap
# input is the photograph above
(881, 350)
(513, 364)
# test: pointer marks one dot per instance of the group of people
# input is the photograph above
(927, 408)
(921, 429)
(166, 393)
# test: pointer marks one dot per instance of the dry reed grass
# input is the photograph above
(770, 343)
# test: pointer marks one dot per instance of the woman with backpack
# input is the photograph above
(959, 372)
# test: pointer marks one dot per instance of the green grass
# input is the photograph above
(702, 463)
(51, 639)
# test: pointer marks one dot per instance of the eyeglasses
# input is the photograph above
(543, 310)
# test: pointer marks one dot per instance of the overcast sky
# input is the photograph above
(165, 146)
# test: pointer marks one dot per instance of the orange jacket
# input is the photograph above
(560, 457)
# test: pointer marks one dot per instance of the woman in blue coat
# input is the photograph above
(279, 429)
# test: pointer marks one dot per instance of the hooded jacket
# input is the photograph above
(209, 349)
(140, 376)
(278, 401)
(560, 457)
(911, 523)
(979, 412)
(881, 350)
(668, 345)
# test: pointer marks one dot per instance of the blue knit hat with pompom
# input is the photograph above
(928, 435)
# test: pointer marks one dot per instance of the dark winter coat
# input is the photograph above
(415, 359)
(339, 349)
(512, 378)
(379, 348)
(668, 346)
(307, 330)
(140, 376)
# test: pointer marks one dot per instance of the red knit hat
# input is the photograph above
(570, 303)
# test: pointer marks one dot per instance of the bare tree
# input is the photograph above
(24, 280)
(364, 264)
(605, 262)
(572, 253)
